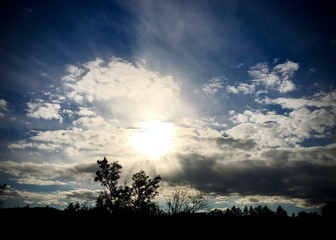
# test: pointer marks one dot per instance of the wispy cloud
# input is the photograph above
(60, 198)
(212, 86)
(4, 107)
(319, 100)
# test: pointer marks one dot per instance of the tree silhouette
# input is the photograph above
(252, 212)
(115, 198)
(77, 207)
(185, 200)
(137, 199)
(245, 212)
(3, 188)
(73, 207)
(280, 212)
(144, 191)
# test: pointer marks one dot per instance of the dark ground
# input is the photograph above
(26, 222)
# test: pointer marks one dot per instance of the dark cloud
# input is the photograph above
(246, 144)
(312, 181)
(48, 174)
(83, 194)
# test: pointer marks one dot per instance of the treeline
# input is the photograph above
(233, 212)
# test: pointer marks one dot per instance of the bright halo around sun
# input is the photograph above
(154, 138)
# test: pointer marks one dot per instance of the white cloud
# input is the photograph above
(241, 87)
(4, 105)
(287, 69)
(86, 112)
(47, 147)
(286, 86)
(126, 91)
(40, 182)
(77, 144)
(319, 100)
(309, 117)
(278, 78)
(90, 122)
(44, 110)
(273, 130)
(212, 86)
(265, 135)
(311, 123)
(122, 79)
(259, 70)
(73, 73)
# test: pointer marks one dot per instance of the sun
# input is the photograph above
(154, 138)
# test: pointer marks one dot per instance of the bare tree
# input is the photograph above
(185, 200)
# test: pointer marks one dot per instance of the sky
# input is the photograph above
(234, 98)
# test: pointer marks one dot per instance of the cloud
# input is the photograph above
(3, 107)
(319, 100)
(60, 198)
(40, 182)
(40, 173)
(279, 200)
(253, 153)
(270, 129)
(44, 110)
(68, 143)
(73, 73)
(24, 144)
(119, 78)
(312, 117)
(212, 86)
(278, 78)
(126, 91)
(85, 112)
(288, 173)
(241, 87)
(89, 122)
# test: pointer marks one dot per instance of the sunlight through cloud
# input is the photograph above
(154, 139)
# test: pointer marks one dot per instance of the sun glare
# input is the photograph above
(154, 138)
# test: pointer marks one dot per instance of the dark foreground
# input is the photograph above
(33, 221)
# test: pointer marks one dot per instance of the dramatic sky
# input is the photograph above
(235, 98)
